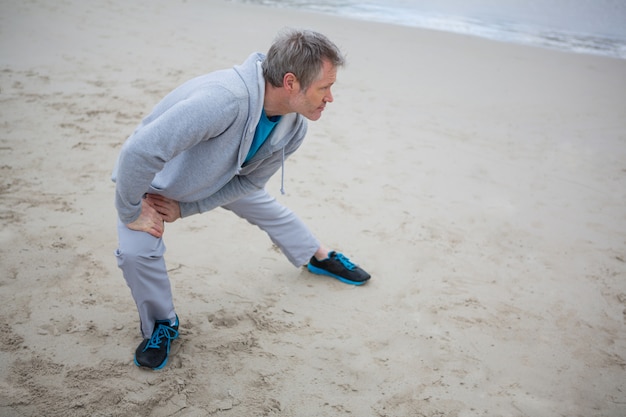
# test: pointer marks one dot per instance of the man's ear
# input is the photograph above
(290, 82)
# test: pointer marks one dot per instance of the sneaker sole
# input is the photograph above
(320, 271)
(154, 369)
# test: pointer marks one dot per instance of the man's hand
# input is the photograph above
(149, 221)
(168, 209)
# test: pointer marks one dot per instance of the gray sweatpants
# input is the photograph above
(140, 255)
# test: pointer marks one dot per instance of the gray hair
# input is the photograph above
(300, 52)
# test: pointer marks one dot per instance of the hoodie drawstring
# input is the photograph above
(282, 174)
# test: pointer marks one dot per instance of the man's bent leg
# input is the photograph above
(284, 228)
(140, 257)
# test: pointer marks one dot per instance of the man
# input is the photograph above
(214, 142)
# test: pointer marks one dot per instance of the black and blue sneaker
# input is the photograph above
(152, 353)
(339, 266)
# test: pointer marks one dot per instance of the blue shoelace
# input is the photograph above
(163, 331)
(345, 261)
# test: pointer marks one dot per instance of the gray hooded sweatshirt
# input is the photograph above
(192, 146)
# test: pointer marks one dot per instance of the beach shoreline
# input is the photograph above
(580, 27)
(482, 185)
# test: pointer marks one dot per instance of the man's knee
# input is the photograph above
(135, 257)
(138, 248)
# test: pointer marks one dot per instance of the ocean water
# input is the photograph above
(580, 26)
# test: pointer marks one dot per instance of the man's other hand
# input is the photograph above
(149, 221)
(168, 209)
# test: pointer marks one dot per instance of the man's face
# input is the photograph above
(311, 103)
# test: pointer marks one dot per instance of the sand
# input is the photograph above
(482, 184)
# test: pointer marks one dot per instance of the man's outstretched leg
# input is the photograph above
(295, 239)
(140, 257)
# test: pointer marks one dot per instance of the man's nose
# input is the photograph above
(329, 97)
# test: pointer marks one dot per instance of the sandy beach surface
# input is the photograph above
(482, 184)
